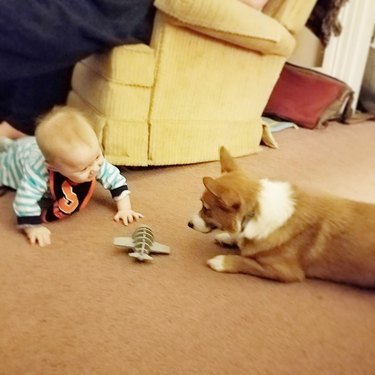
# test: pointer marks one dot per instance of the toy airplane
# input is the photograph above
(142, 243)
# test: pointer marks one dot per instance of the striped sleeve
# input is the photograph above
(32, 187)
(111, 179)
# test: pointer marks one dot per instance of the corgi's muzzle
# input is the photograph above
(197, 223)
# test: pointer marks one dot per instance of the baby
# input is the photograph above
(61, 163)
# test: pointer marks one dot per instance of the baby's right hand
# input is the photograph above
(38, 234)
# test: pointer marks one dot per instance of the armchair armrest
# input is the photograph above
(231, 21)
(293, 14)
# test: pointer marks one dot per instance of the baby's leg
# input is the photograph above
(4, 143)
(7, 130)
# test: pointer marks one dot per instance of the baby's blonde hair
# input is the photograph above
(62, 129)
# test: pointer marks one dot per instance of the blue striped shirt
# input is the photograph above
(23, 168)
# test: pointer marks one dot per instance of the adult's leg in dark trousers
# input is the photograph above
(23, 101)
(41, 40)
(41, 36)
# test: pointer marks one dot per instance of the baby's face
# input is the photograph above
(81, 165)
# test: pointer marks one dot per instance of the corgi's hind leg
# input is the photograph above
(239, 264)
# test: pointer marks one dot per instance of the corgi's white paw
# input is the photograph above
(217, 263)
(224, 238)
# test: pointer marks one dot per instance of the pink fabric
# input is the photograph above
(307, 98)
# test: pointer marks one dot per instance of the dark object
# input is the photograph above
(68, 198)
(41, 41)
(3, 190)
(309, 98)
(323, 21)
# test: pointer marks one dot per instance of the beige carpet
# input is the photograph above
(82, 306)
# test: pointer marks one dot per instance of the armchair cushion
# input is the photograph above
(131, 64)
(124, 72)
(290, 13)
(233, 22)
(203, 82)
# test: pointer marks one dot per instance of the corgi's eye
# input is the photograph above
(206, 211)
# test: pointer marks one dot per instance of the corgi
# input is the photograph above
(284, 233)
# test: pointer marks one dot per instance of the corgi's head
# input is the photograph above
(228, 201)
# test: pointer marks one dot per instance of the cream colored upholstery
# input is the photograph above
(203, 82)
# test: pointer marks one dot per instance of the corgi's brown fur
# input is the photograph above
(284, 233)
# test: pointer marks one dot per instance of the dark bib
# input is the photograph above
(67, 197)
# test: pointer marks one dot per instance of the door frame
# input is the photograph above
(346, 55)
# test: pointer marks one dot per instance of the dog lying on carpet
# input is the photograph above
(284, 233)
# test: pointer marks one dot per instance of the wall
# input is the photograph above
(309, 51)
(346, 55)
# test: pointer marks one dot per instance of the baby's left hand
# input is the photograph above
(127, 216)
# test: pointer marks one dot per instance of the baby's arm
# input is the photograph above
(125, 212)
(26, 204)
(38, 234)
(109, 176)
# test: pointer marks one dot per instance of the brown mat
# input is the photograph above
(82, 306)
(360, 117)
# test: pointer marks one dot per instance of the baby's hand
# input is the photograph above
(38, 234)
(127, 216)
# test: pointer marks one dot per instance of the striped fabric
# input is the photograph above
(23, 168)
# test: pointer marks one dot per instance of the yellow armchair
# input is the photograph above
(203, 82)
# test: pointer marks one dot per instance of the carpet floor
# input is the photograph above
(83, 306)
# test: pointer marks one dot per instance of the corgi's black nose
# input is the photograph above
(190, 225)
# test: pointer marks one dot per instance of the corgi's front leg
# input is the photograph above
(226, 239)
(241, 264)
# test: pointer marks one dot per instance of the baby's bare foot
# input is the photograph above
(7, 130)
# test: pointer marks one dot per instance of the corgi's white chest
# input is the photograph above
(276, 206)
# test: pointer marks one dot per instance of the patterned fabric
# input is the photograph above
(67, 197)
(23, 168)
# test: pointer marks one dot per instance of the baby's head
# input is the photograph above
(69, 144)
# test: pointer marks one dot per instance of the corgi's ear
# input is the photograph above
(227, 162)
(211, 185)
(228, 199)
